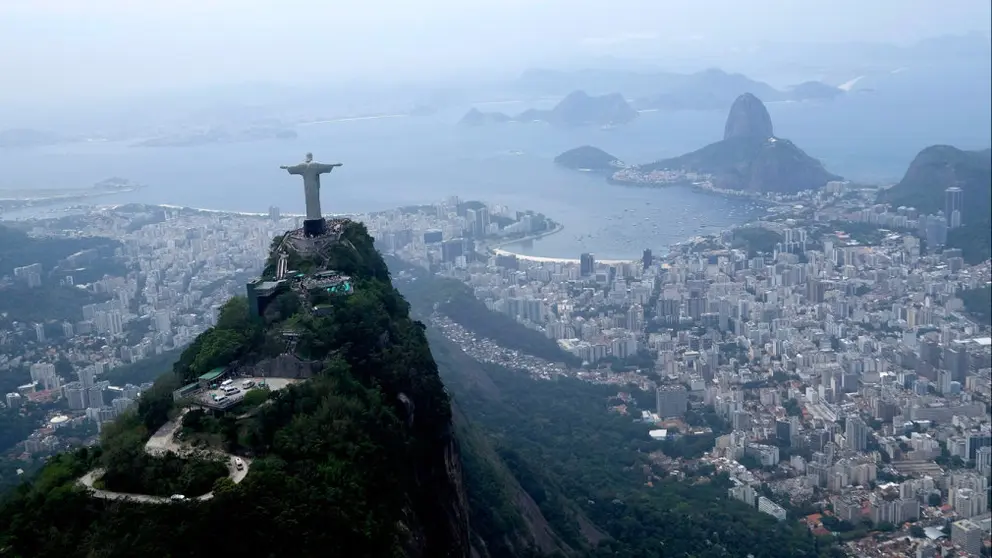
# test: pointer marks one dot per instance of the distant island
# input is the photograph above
(577, 109)
(116, 184)
(749, 160)
(711, 89)
(589, 159)
(218, 135)
(475, 117)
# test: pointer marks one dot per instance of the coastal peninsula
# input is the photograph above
(218, 135)
(25, 197)
(748, 161)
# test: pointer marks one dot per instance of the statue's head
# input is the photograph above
(309, 157)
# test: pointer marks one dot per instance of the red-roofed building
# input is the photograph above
(44, 396)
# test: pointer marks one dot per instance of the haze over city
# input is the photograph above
(111, 48)
(496, 279)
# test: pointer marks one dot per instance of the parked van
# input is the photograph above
(231, 390)
(239, 463)
(226, 383)
(247, 384)
(220, 399)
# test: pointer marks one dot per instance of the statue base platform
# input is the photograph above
(308, 244)
(314, 227)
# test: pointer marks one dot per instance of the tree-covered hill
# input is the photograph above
(939, 167)
(359, 461)
(978, 302)
(52, 300)
(589, 158)
(456, 300)
(18, 249)
(550, 470)
(586, 475)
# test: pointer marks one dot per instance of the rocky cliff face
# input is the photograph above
(436, 523)
(748, 118)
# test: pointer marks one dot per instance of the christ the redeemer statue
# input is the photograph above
(314, 224)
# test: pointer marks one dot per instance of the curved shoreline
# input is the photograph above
(558, 228)
(496, 248)
(544, 259)
(499, 251)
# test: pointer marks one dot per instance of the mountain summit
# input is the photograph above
(749, 157)
(748, 118)
(355, 457)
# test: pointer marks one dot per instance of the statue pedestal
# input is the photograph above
(307, 244)
(314, 227)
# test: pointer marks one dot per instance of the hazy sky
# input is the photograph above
(52, 48)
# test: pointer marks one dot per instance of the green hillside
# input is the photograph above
(18, 249)
(358, 461)
(52, 301)
(937, 168)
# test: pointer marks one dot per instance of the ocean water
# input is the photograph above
(396, 161)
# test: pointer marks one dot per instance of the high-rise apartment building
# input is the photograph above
(856, 432)
(671, 400)
(953, 206)
(587, 265)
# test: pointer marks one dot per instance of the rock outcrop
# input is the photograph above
(750, 158)
(748, 118)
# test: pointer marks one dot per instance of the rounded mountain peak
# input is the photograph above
(748, 118)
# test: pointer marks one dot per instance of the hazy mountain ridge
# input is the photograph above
(709, 89)
(576, 109)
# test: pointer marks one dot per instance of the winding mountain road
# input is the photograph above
(162, 442)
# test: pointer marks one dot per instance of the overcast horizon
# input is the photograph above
(109, 48)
